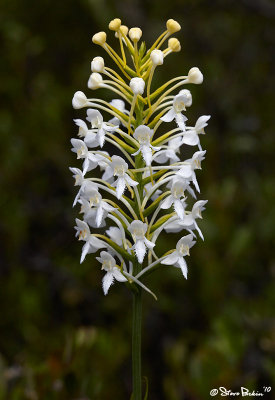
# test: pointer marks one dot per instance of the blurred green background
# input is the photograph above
(60, 338)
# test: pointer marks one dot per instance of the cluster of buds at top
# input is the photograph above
(143, 189)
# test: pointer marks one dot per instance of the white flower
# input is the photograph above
(118, 167)
(170, 153)
(90, 214)
(137, 85)
(120, 106)
(143, 135)
(178, 188)
(95, 201)
(195, 76)
(91, 161)
(112, 272)
(79, 181)
(138, 230)
(97, 65)
(177, 257)
(191, 137)
(157, 57)
(96, 119)
(189, 220)
(188, 171)
(95, 81)
(92, 244)
(180, 102)
(79, 100)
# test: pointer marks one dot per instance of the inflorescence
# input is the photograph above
(147, 184)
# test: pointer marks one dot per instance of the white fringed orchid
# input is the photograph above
(138, 230)
(143, 135)
(112, 271)
(144, 187)
(177, 257)
(96, 120)
(118, 167)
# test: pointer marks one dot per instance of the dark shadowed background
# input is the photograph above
(60, 338)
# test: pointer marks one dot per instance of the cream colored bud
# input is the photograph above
(135, 34)
(195, 76)
(79, 100)
(137, 85)
(174, 45)
(95, 81)
(99, 38)
(157, 57)
(97, 65)
(123, 29)
(114, 25)
(173, 26)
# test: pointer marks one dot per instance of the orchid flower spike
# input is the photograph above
(144, 187)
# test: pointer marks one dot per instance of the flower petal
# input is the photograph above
(191, 138)
(183, 266)
(118, 275)
(179, 208)
(169, 116)
(140, 250)
(171, 259)
(107, 281)
(167, 203)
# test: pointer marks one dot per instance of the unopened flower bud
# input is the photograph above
(137, 85)
(187, 97)
(174, 45)
(97, 65)
(114, 25)
(99, 38)
(79, 100)
(123, 29)
(95, 81)
(195, 76)
(173, 26)
(157, 57)
(135, 34)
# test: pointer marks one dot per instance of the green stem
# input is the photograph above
(136, 341)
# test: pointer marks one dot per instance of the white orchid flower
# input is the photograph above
(170, 153)
(79, 181)
(138, 230)
(180, 102)
(177, 257)
(189, 220)
(112, 271)
(143, 135)
(91, 214)
(118, 167)
(191, 136)
(96, 119)
(176, 197)
(92, 243)
(94, 198)
(188, 171)
(91, 160)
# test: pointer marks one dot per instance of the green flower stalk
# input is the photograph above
(142, 192)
